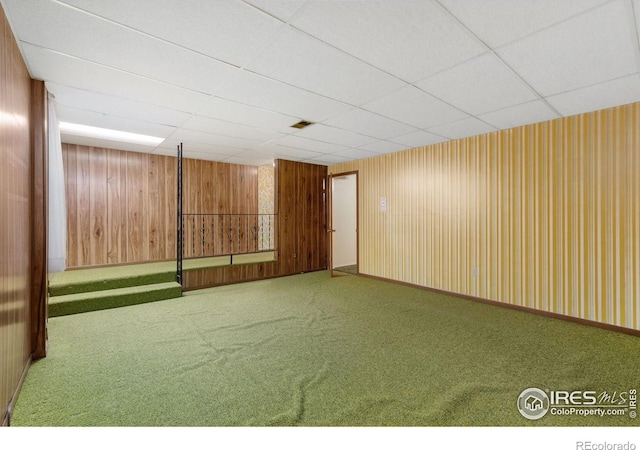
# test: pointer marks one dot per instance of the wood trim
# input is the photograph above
(551, 315)
(39, 286)
(6, 420)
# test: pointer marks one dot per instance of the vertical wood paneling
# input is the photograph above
(71, 194)
(170, 199)
(548, 214)
(97, 206)
(15, 217)
(39, 214)
(155, 219)
(121, 205)
(300, 205)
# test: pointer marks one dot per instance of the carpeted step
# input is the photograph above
(63, 305)
(83, 281)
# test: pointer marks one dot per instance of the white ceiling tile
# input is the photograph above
(479, 85)
(281, 151)
(206, 156)
(383, 147)
(410, 39)
(498, 22)
(282, 9)
(240, 72)
(220, 127)
(414, 107)
(317, 162)
(230, 31)
(115, 106)
(94, 119)
(524, 114)
(419, 138)
(594, 47)
(321, 132)
(112, 45)
(329, 159)
(227, 110)
(355, 153)
(600, 96)
(370, 124)
(249, 159)
(170, 145)
(262, 92)
(463, 128)
(84, 75)
(298, 142)
(300, 60)
(184, 135)
(104, 143)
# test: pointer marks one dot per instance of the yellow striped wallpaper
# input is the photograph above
(545, 216)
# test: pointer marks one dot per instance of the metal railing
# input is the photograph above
(227, 234)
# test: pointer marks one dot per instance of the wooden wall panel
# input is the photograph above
(544, 216)
(286, 203)
(15, 217)
(39, 215)
(301, 230)
(121, 206)
(198, 279)
(302, 217)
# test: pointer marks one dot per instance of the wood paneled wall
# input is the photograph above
(545, 216)
(301, 232)
(302, 216)
(121, 206)
(15, 217)
(39, 214)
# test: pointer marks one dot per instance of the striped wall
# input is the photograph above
(545, 216)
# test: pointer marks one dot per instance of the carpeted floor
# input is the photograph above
(317, 351)
(352, 269)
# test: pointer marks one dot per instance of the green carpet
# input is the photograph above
(317, 351)
(112, 298)
(101, 278)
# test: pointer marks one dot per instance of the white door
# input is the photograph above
(344, 223)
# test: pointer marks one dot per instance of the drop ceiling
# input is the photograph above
(228, 78)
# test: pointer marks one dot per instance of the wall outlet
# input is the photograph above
(474, 272)
(383, 204)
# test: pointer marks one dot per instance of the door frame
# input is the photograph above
(331, 230)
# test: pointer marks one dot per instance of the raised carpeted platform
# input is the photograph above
(82, 290)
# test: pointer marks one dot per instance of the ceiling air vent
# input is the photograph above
(301, 124)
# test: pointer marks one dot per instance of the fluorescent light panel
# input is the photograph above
(111, 135)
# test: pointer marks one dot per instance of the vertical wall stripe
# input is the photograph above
(547, 215)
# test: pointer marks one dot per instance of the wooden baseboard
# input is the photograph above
(6, 420)
(552, 315)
